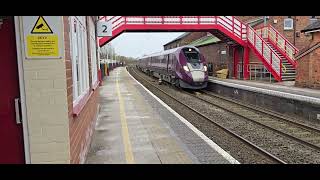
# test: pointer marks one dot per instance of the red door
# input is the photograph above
(11, 137)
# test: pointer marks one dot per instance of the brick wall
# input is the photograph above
(80, 127)
(212, 54)
(308, 69)
(300, 22)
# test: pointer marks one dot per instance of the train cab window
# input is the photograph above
(192, 55)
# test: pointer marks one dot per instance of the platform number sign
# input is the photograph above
(104, 28)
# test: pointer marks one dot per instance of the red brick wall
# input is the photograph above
(82, 126)
(81, 129)
(308, 69)
(300, 22)
(212, 53)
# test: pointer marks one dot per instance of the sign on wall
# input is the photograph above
(104, 28)
(43, 37)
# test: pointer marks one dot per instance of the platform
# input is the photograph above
(136, 127)
(283, 97)
(281, 87)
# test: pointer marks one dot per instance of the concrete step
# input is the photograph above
(291, 73)
(288, 76)
(288, 79)
(290, 69)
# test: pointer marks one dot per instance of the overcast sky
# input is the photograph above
(135, 45)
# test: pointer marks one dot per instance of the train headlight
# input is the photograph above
(205, 68)
(186, 68)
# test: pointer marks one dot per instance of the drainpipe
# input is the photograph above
(294, 30)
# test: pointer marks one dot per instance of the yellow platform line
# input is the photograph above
(124, 128)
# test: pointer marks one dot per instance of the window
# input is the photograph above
(79, 57)
(192, 55)
(288, 23)
(93, 52)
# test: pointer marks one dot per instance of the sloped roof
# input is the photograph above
(312, 27)
(256, 21)
(306, 51)
(205, 41)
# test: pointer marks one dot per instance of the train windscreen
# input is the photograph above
(192, 55)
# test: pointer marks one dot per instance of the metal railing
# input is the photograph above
(257, 72)
(229, 23)
(270, 57)
(280, 42)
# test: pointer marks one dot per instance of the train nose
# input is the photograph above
(197, 76)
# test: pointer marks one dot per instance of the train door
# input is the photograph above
(11, 135)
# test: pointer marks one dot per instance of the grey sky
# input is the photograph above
(137, 44)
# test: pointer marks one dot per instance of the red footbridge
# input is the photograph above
(274, 50)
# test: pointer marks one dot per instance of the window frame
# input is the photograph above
(284, 23)
(93, 54)
(79, 61)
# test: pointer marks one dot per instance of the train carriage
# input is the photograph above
(184, 67)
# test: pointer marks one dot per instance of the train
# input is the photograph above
(184, 67)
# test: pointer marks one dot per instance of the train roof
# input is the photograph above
(169, 51)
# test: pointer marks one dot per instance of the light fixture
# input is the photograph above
(186, 68)
(205, 68)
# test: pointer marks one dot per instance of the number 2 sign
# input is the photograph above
(104, 28)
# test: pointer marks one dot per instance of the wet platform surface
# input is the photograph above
(135, 128)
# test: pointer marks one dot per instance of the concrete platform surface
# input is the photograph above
(134, 127)
(282, 89)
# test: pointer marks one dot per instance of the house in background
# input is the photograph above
(308, 69)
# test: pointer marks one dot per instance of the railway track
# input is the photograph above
(245, 141)
(304, 134)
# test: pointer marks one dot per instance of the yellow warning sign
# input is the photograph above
(41, 27)
(42, 45)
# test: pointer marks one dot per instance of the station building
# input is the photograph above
(308, 71)
(49, 71)
(221, 55)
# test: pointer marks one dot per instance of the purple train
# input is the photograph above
(184, 67)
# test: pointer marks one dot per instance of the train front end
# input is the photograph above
(193, 69)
